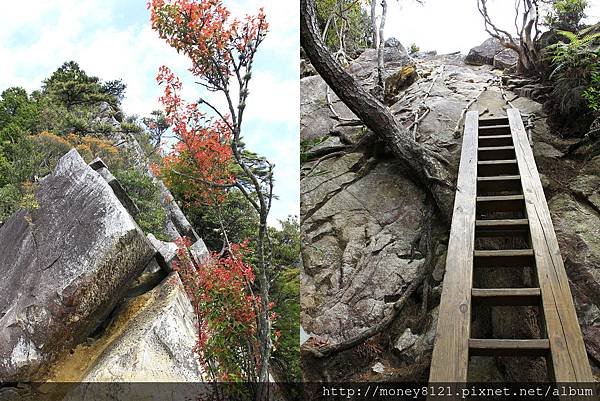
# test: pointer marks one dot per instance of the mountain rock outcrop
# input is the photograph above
(491, 52)
(155, 345)
(86, 295)
(64, 265)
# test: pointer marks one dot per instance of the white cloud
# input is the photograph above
(38, 38)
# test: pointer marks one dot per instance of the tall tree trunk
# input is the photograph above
(374, 23)
(381, 45)
(424, 163)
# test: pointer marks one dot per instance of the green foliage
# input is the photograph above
(286, 296)
(592, 93)
(306, 145)
(414, 49)
(346, 18)
(71, 86)
(17, 109)
(157, 125)
(10, 195)
(566, 15)
(574, 64)
(146, 195)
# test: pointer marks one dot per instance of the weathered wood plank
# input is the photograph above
(504, 258)
(450, 357)
(494, 130)
(500, 183)
(506, 296)
(505, 227)
(496, 140)
(489, 121)
(497, 167)
(569, 359)
(508, 347)
(496, 153)
(500, 203)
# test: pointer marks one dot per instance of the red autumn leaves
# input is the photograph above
(221, 49)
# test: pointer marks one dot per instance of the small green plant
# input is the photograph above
(592, 93)
(414, 49)
(574, 64)
(306, 145)
(9, 200)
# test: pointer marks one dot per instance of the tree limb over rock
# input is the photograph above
(419, 160)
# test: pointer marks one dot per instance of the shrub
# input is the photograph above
(144, 193)
(226, 309)
(574, 64)
(10, 196)
(592, 93)
(414, 49)
(566, 15)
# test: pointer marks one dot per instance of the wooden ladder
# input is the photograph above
(496, 157)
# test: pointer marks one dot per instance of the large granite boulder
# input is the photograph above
(393, 45)
(318, 119)
(64, 266)
(491, 52)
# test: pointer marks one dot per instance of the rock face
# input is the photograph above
(395, 45)
(357, 248)
(166, 250)
(101, 168)
(492, 52)
(64, 266)
(157, 344)
(317, 119)
(577, 226)
(361, 214)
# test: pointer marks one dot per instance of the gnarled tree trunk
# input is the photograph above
(427, 167)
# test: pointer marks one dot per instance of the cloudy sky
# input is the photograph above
(451, 25)
(112, 39)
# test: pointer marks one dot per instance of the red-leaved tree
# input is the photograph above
(219, 289)
(209, 153)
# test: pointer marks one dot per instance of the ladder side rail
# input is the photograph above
(450, 357)
(569, 358)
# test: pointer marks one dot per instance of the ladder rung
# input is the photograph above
(506, 347)
(496, 153)
(496, 140)
(506, 296)
(497, 167)
(499, 183)
(484, 122)
(504, 258)
(500, 203)
(496, 228)
(494, 129)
